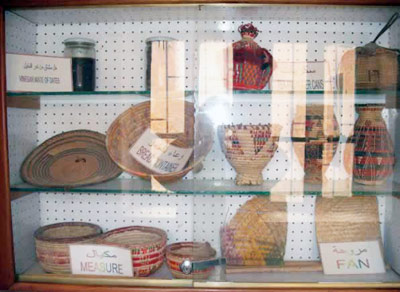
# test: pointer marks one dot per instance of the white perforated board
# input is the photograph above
(121, 66)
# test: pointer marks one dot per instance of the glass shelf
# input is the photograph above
(190, 92)
(210, 187)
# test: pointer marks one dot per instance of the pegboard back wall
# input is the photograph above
(120, 45)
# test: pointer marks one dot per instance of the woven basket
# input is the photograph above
(52, 243)
(256, 235)
(129, 126)
(347, 219)
(317, 146)
(147, 245)
(248, 149)
(70, 159)
(194, 251)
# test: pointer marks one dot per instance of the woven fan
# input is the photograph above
(70, 159)
(256, 235)
(347, 219)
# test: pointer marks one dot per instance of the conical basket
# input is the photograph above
(256, 235)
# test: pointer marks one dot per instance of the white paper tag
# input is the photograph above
(364, 257)
(38, 73)
(159, 155)
(103, 260)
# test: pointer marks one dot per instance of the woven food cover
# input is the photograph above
(52, 243)
(347, 219)
(147, 245)
(125, 131)
(70, 159)
(177, 252)
(256, 235)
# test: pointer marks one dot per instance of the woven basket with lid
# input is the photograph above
(52, 243)
(147, 245)
(256, 235)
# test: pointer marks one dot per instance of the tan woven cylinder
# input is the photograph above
(347, 219)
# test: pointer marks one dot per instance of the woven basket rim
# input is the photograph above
(162, 241)
(174, 250)
(39, 233)
(89, 134)
(192, 162)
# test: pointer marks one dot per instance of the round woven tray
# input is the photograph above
(52, 243)
(70, 159)
(129, 126)
(347, 219)
(176, 253)
(256, 235)
(147, 245)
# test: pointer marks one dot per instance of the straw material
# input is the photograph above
(316, 146)
(52, 243)
(130, 125)
(347, 219)
(147, 245)
(373, 148)
(256, 235)
(70, 159)
(248, 149)
(194, 251)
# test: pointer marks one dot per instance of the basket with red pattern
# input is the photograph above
(52, 243)
(252, 65)
(147, 245)
(373, 148)
(193, 251)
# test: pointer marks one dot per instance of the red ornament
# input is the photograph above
(252, 65)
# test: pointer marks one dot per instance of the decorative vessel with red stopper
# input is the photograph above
(252, 65)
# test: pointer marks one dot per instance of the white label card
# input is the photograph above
(38, 73)
(103, 260)
(158, 154)
(364, 257)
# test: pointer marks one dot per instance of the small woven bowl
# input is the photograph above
(248, 148)
(147, 245)
(193, 251)
(52, 243)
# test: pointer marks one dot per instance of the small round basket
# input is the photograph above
(52, 243)
(193, 251)
(131, 124)
(147, 245)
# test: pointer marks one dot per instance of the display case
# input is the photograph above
(220, 146)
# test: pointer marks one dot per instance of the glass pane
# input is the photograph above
(244, 143)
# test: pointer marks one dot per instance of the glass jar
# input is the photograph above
(83, 55)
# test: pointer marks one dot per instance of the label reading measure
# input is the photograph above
(100, 260)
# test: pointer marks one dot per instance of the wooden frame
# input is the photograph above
(7, 278)
(41, 3)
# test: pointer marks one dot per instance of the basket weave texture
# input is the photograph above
(130, 125)
(316, 146)
(70, 159)
(256, 235)
(52, 243)
(193, 251)
(147, 245)
(347, 219)
(248, 149)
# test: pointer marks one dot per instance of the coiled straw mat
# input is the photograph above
(130, 125)
(256, 235)
(347, 219)
(70, 159)
(52, 243)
